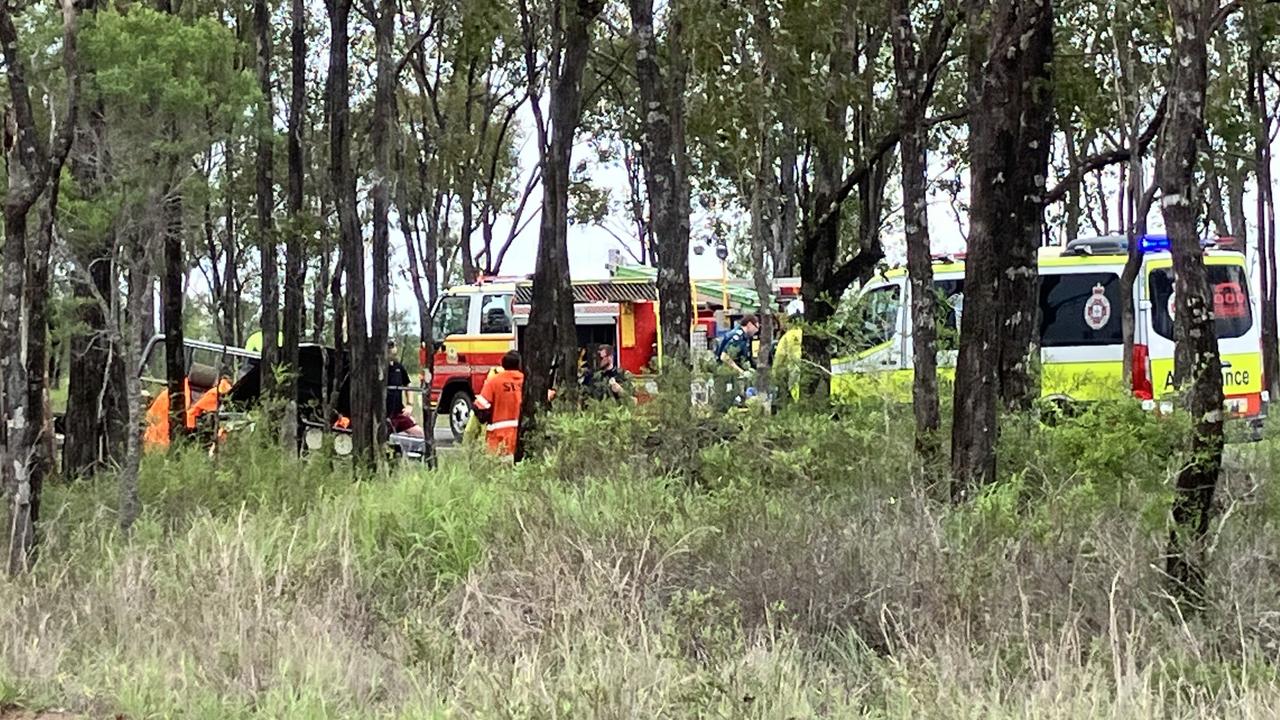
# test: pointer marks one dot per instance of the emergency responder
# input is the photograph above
(787, 356)
(736, 362)
(606, 380)
(734, 351)
(399, 413)
(498, 406)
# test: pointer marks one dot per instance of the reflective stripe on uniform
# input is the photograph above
(482, 403)
(505, 424)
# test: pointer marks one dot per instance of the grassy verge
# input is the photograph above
(654, 564)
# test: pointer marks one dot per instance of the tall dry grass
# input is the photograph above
(786, 568)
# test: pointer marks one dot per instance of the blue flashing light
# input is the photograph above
(1160, 243)
(1154, 243)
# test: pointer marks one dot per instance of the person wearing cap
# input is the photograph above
(606, 380)
(399, 412)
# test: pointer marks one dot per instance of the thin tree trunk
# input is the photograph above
(139, 287)
(230, 256)
(384, 120)
(321, 288)
(785, 236)
(1265, 209)
(914, 144)
(342, 177)
(171, 290)
(295, 276)
(1196, 360)
(264, 198)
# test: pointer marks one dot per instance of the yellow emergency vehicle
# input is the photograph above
(1082, 346)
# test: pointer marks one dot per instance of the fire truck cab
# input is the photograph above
(473, 325)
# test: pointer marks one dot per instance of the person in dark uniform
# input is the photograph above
(734, 351)
(606, 380)
(399, 413)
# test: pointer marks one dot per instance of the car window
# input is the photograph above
(450, 316)
(495, 314)
(1232, 313)
(879, 317)
(1080, 309)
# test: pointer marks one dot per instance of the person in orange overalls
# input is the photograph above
(499, 405)
(156, 435)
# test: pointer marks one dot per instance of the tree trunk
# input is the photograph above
(1031, 128)
(139, 287)
(33, 170)
(295, 274)
(784, 236)
(94, 419)
(343, 181)
(230, 257)
(1265, 209)
(171, 290)
(384, 122)
(1197, 366)
(762, 204)
(321, 288)
(1009, 64)
(36, 430)
(264, 199)
(914, 146)
(551, 317)
(819, 256)
(663, 100)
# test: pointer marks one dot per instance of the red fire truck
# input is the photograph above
(473, 325)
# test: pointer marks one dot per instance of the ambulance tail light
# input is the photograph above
(1142, 388)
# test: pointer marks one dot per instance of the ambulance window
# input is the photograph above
(1080, 309)
(949, 305)
(880, 315)
(451, 316)
(495, 314)
(1232, 313)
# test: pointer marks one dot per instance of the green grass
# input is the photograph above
(653, 564)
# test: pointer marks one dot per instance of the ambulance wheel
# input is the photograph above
(459, 413)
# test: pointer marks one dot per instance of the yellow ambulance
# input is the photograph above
(1082, 346)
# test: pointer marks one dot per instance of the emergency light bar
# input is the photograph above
(1161, 243)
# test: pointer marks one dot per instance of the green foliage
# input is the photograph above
(150, 63)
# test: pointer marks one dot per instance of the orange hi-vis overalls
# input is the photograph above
(502, 394)
(157, 432)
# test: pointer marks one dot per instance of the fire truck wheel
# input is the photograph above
(459, 413)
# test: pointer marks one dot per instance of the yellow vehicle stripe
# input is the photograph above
(479, 343)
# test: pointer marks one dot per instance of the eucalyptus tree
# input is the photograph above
(1010, 52)
(555, 60)
(35, 152)
(1197, 366)
(154, 72)
(917, 63)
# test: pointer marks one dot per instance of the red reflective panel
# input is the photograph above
(1229, 301)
